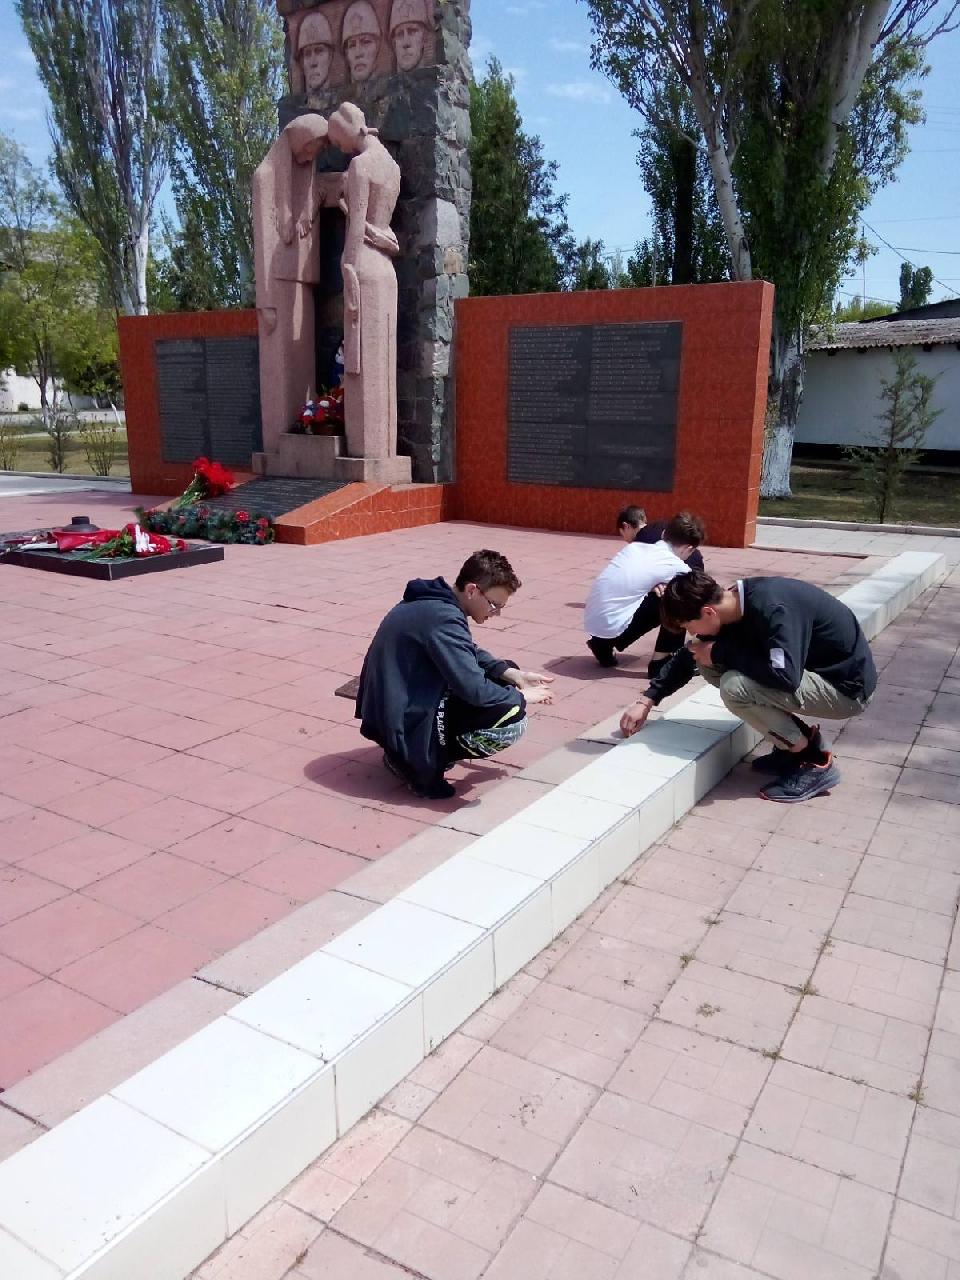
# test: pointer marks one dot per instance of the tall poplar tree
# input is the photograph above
(101, 64)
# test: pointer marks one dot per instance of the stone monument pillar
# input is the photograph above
(404, 64)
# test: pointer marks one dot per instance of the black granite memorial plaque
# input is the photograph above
(209, 396)
(182, 395)
(233, 405)
(594, 406)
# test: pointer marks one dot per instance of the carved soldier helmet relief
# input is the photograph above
(408, 31)
(361, 37)
(315, 45)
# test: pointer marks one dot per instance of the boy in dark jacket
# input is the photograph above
(428, 695)
(778, 650)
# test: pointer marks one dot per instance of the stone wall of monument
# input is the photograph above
(405, 64)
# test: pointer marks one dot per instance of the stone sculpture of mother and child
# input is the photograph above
(288, 194)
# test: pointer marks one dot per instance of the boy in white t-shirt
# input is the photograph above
(623, 603)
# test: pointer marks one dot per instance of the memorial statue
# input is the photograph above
(409, 28)
(287, 195)
(369, 286)
(315, 46)
(361, 37)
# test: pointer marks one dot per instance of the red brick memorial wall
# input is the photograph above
(572, 405)
(191, 386)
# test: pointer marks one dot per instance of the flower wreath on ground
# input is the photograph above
(188, 517)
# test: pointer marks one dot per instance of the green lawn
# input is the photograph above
(834, 493)
(32, 455)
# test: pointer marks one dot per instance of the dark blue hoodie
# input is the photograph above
(424, 649)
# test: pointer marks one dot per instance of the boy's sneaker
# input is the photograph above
(438, 789)
(779, 761)
(804, 783)
(602, 650)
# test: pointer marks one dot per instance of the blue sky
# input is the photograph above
(586, 127)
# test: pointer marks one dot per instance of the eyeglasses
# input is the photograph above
(494, 608)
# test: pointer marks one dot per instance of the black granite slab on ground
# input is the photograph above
(109, 568)
(273, 496)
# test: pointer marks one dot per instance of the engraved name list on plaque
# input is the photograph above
(594, 406)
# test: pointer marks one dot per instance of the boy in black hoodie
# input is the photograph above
(778, 650)
(428, 695)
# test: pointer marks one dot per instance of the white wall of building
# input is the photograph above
(841, 395)
(16, 390)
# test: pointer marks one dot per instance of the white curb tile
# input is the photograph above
(229, 1086)
(405, 942)
(575, 889)
(574, 815)
(264, 1161)
(707, 718)
(219, 1083)
(523, 935)
(606, 781)
(519, 846)
(644, 754)
(371, 1067)
(472, 891)
(81, 1186)
(685, 736)
(20, 1263)
(458, 992)
(322, 1005)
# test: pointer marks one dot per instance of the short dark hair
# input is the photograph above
(634, 516)
(685, 530)
(488, 569)
(686, 596)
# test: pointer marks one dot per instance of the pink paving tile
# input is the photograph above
(234, 845)
(166, 822)
(127, 755)
(45, 783)
(104, 802)
(85, 859)
(181, 733)
(336, 823)
(234, 791)
(22, 892)
(225, 915)
(304, 872)
(63, 931)
(647, 1164)
(154, 884)
(33, 830)
(14, 977)
(9, 807)
(42, 1021)
(78, 743)
(175, 774)
(125, 974)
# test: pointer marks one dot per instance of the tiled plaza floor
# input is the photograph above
(176, 773)
(743, 1062)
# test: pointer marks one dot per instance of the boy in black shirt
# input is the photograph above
(777, 649)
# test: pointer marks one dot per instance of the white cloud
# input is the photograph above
(581, 91)
(519, 73)
(568, 46)
(481, 48)
(521, 10)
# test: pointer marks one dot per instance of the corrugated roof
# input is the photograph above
(856, 336)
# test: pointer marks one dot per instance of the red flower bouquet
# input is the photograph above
(130, 541)
(210, 480)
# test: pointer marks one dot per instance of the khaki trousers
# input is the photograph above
(769, 710)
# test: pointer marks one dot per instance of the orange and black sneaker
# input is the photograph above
(803, 783)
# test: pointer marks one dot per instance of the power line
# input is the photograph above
(875, 232)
